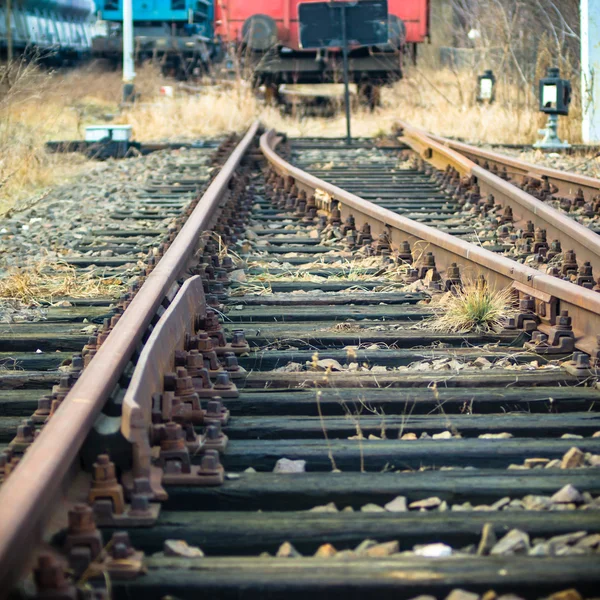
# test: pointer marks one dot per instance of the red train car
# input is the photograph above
(266, 33)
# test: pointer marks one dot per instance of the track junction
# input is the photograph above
(273, 390)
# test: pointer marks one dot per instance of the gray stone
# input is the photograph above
(542, 549)
(532, 502)
(571, 551)
(364, 546)
(398, 504)
(433, 550)
(572, 459)
(181, 548)
(567, 538)
(500, 504)
(569, 594)
(382, 550)
(482, 363)
(432, 502)
(459, 594)
(285, 465)
(594, 460)
(568, 506)
(514, 505)
(514, 542)
(536, 462)
(286, 550)
(466, 506)
(567, 494)
(372, 508)
(325, 508)
(325, 551)
(589, 541)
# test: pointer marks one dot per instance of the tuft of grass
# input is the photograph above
(475, 308)
(47, 282)
(251, 289)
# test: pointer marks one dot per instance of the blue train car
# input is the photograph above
(176, 33)
(55, 30)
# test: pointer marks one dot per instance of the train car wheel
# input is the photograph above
(369, 94)
(272, 94)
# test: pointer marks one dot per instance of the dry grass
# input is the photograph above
(356, 269)
(37, 106)
(33, 110)
(49, 281)
(442, 102)
(476, 308)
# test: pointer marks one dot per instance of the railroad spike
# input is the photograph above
(105, 485)
(51, 581)
(83, 542)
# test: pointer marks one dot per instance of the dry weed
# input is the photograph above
(37, 106)
(47, 282)
(475, 308)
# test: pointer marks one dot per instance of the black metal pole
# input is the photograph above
(9, 41)
(346, 74)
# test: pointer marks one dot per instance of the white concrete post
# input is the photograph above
(128, 67)
(590, 70)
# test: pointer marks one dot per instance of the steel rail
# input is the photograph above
(582, 304)
(567, 182)
(572, 235)
(156, 359)
(27, 495)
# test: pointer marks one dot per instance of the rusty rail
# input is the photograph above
(157, 358)
(567, 183)
(572, 235)
(552, 295)
(42, 474)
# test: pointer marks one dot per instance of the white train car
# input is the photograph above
(54, 30)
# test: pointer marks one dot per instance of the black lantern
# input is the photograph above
(555, 93)
(486, 88)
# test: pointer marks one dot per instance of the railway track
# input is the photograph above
(570, 193)
(291, 413)
(41, 350)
